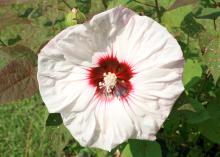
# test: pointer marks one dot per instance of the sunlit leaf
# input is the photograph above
(192, 73)
(211, 53)
(180, 3)
(70, 19)
(175, 17)
(127, 152)
(166, 4)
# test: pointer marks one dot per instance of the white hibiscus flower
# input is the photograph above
(113, 78)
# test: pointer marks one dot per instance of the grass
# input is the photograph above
(23, 132)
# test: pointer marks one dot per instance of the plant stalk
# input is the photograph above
(158, 10)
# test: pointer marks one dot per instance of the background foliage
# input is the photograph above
(192, 129)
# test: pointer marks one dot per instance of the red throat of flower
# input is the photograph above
(111, 77)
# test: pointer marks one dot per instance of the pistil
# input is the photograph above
(109, 82)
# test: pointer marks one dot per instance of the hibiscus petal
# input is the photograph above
(115, 124)
(60, 89)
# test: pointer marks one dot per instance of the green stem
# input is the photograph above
(187, 50)
(104, 3)
(158, 10)
(214, 22)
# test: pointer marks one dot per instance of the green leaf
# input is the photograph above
(127, 152)
(211, 55)
(20, 52)
(100, 152)
(180, 3)
(175, 17)
(18, 76)
(84, 5)
(211, 130)
(115, 3)
(54, 119)
(194, 111)
(195, 152)
(17, 81)
(70, 19)
(9, 19)
(97, 6)
(207, 13)
(8, 2)
(166, 4)
(142, 148)
(190, 26)
(213, 106)
(192, 73)
(172, 123)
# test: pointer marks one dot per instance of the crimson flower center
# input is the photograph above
(111, 77)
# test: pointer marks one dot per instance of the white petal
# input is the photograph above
(115, 124)
(60, 89)
(108, 25)
(158, 83)
(82, 125)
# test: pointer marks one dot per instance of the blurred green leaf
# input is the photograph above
(97, 6)
(84, 5)
(17, 81)
(194, 111)
(141, 148)
(114, 3)
(18, 52)
(195, 152)
(70, 19)
(211, 130)
(192, 73)
(54, 119)
(207, 13)
(18, 74)
(213, 106)
(211, 54)
(7, 2)
(10, 18)
(190, 26)
(180, 3)
(174, 18)
(166, 4)
(101, 153)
